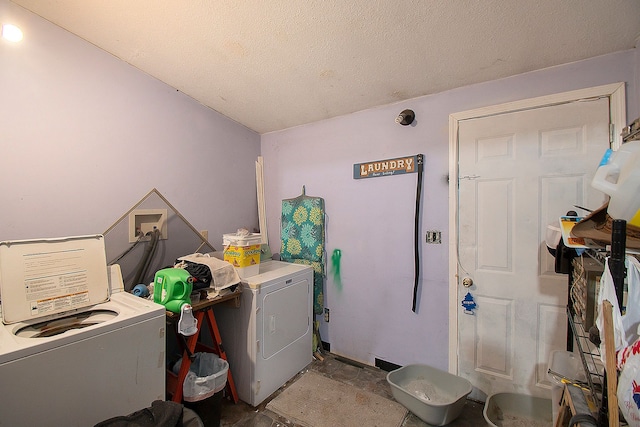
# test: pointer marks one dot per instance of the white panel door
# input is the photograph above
(518, 172)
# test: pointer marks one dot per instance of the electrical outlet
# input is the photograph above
(326, 315)
(143, 221)
(434, 237)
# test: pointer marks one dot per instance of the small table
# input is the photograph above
(201, 310)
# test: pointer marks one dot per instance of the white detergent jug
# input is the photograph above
(619, 176)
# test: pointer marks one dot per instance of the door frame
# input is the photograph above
(616, 94)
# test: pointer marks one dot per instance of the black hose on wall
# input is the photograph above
(416, 242)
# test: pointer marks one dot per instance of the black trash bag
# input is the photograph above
(160, 414)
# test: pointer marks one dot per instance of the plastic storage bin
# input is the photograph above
(510, 409)
(562, 364)
(434, 396)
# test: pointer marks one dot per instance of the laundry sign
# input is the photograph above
(400, 165)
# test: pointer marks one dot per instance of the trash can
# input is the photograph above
(204, 385)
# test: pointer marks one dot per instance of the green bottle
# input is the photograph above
(172, 288)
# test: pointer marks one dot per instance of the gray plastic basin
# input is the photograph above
(511, 408)
(436, 397)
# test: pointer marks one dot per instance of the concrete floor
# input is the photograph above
(366, 377)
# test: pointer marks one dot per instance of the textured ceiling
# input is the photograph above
(274, 64)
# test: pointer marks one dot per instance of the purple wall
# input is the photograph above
(85, 136)
(371, 220)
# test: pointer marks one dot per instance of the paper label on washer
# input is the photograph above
(45, 277)
(55, 304)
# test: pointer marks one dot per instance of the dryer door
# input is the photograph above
(286, 316)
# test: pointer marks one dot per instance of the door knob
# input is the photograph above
(467, 282)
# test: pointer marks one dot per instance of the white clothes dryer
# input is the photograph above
(75, 349)
(268, 339)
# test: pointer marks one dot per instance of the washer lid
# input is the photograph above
(42, 278)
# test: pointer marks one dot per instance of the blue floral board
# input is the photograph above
(302, 239)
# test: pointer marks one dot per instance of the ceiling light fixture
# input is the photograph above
(11, 33)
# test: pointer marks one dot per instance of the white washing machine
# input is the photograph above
(75, 349)
(268, 338)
